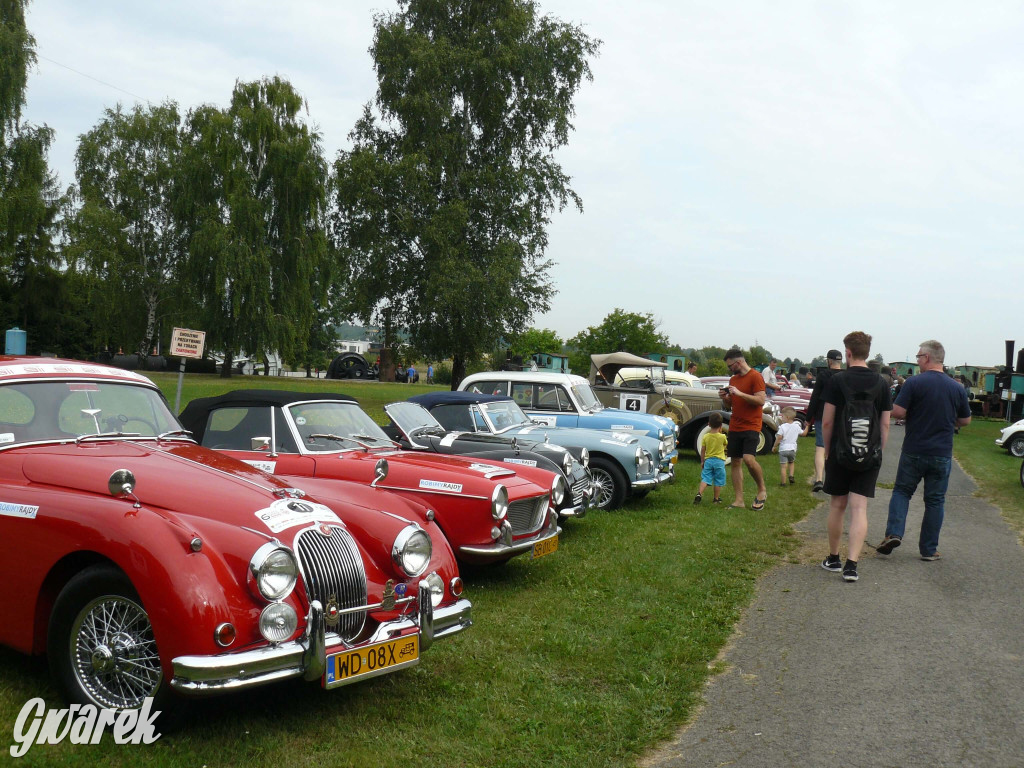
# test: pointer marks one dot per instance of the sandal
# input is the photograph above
(758, 503)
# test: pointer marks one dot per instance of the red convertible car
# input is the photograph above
(144, 565)
(489, 511)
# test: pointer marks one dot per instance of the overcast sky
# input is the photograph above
(773, 173)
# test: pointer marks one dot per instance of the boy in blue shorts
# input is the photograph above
(712, 459)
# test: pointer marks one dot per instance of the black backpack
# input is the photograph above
(857, 440)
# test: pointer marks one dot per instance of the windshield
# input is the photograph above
(587, 399)
(67, 410)
(331, 426)
(413, 418)
(504, 415)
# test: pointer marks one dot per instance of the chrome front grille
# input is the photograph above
(332, 570)
(578, 489)
(527, 515)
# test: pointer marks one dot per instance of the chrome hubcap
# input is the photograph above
(114, 654)
(604, 487)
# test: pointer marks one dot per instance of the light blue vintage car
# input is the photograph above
(621, 463)
(567, 400)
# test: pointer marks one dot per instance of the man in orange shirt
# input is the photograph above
(745, 395)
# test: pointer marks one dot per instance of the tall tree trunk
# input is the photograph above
(229, 360)
(458, 370)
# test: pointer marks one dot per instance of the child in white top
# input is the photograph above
(785, 444)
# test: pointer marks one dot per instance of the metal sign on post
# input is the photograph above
(185, 343)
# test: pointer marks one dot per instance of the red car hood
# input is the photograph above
(183, 478)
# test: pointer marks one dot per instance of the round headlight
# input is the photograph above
(567, 461)
(278, 622)
(585, 458)
(411, 551)
(436, 588)
(499, 502)
(558, 488)
(273, 571)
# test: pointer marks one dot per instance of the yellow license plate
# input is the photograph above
(378, 659)
(545, 547)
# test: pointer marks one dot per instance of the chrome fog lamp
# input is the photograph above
(499, 502)
(412, 550)
(585, 458)
(273, 571)
(278, 622)
(436, 585)
(558, 490)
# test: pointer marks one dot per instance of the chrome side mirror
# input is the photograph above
(259, 443)
(380, 471)
(121, 482)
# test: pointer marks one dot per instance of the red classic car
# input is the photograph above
(144, 565)
(488, 510)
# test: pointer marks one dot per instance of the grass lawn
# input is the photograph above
(587, 657)
(993, 468)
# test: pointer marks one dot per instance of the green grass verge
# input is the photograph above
(587, 657)
(996, 472)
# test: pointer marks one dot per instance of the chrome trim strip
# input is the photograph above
(411, 489)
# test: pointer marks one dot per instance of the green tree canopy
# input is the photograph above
(30, 200)
(125, 232)
(535, 340)
(252, 202)
(442, 206)
(620, 331)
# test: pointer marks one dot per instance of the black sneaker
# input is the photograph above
(818, 485)
(717, 501)
(792, 480)
(832, 563)
(889, 543)
(697, 499)
(850, 571)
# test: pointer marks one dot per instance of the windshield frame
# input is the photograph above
(492, 409)
(49, 422)
(350, 443)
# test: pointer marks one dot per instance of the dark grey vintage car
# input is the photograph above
(415, 428)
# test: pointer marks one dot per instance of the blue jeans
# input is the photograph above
(934, 470)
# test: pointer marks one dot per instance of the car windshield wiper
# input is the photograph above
(106, 436)
(357, 439)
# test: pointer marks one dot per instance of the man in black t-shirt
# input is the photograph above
(815, 408)
(850, 488)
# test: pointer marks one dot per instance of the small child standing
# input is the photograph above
(712, 459)
(785, 444)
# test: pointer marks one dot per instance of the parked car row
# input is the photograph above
(268, 534)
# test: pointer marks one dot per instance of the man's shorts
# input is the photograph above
(819, 438)
(713, 472)
(742, 443)
(839, 481)
(787, 457)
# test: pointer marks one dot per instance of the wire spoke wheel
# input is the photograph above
(113, 652)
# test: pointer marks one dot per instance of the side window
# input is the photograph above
(552, 397)
(523, 394)
(488, 387)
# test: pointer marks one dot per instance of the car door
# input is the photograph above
(243, 432)
(552, 405)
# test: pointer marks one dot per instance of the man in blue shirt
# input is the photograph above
(934, 406)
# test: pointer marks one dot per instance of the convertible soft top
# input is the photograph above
(433, 399)
(193, 418)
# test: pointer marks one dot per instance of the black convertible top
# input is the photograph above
(194, 416)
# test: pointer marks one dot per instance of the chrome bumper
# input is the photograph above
(666, 475)
(503, 549)
(578, 511)
(307, 656)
